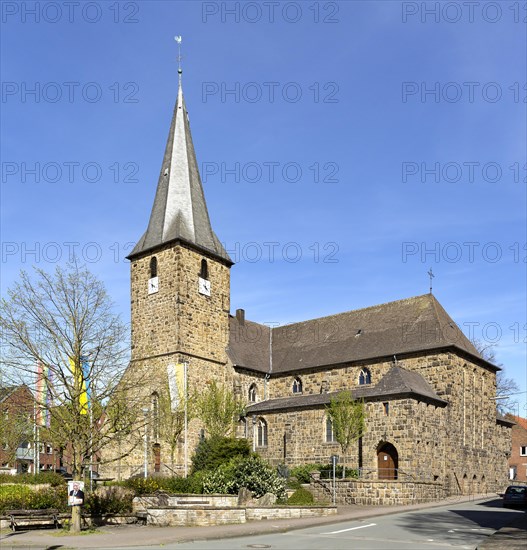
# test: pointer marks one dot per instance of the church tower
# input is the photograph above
(180, 278)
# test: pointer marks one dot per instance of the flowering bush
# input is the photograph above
(22, 497)
(252, 472)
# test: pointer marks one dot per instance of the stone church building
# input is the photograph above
(429, 396)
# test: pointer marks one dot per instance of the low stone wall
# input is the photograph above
(140, 504)
(377, 492)
(288, 512)
(194, 516)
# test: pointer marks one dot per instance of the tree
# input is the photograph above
(218, 410)
(172, 420)
(347, 417)
(506, 387)
(61, 338)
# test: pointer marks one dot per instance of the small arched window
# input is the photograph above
(330, 435)
(262, 433)
(252, 393)
(204, 271)
(364, 377)
(153, 267)
(297, 385)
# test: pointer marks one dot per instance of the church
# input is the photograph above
(429, 396)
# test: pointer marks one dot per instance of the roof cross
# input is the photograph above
(431, 275)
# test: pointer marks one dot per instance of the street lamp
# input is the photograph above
(254, 433)
(145, 412)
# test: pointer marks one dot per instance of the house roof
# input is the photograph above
(398, 382)
(517, 420)
(6, 391)
(395, 328)
(180, 212)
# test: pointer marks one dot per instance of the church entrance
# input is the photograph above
(157, 457)
(387, 461)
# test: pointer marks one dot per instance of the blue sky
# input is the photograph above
(395, 138)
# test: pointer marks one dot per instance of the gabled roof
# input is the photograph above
(397, 383)
(6, 392)
(180, 211)
(405, 326)
(522, 422)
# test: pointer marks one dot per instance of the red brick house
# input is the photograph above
(518, 459)
(17, 433)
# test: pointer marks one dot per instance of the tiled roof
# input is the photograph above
(398, 382)
(6, 392)
(405, 326)
(180, 211)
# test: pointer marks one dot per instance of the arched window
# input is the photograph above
(330, 435)
(204, 271)
(262, 433)
(155, 416)
(297, 385)
(153, 267)
(252, 393)
(364, 377)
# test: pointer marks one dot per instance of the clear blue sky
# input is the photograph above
(395, 138)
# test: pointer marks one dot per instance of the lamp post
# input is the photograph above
(254, 433)
(145, 412)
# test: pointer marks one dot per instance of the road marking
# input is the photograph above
(350, 529)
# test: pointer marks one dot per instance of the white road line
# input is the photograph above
(350, 529)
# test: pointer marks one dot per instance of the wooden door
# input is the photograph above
(157, 457)
(387, 462)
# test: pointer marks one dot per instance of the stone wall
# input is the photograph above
(378, 492)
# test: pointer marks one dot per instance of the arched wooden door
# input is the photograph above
(387, 461)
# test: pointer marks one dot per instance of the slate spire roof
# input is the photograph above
(180, 211)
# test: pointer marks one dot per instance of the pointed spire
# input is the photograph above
(180, 211)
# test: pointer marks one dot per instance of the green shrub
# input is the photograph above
(148, 486)
(111, 501)
(53, 479)
(301, 497)
(22, 497)
(302, 473)
(252, 472)
(211, 453)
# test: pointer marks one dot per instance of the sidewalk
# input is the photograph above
(511, 537)
(138, 535)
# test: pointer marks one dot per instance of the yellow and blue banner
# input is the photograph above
(81, 372)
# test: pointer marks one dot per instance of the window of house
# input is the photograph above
(262, 433)
(330, 435)
(364, 377)
(523, 450)
(49, 449)
(153, 267)
(386, 408)
(204, 272)
(297, 385)
(252, 393)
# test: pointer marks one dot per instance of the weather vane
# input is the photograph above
(431, 275)
(179, 39)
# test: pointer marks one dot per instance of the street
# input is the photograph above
(452, 526)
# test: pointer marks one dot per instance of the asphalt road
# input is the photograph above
(453, 526)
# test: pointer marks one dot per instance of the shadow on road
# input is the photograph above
(458, 522)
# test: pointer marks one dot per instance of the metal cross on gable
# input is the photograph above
(431, 275)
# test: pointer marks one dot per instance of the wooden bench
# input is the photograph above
(33, 517)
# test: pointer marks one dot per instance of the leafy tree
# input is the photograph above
(348, 420)
(218, 409)
(212, 452)
(59, 327)
(172, 420)
(506, 387)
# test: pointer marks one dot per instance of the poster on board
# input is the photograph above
(75, 493)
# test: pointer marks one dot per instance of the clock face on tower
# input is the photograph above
(204, 286)
(153, 285)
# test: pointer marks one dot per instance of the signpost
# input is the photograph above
(334, 460)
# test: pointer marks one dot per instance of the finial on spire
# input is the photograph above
(179, 39)
(431, 275)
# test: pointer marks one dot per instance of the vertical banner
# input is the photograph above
(81, 382)
(42, 395)
(177, 384)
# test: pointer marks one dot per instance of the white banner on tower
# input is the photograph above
(176, 384)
